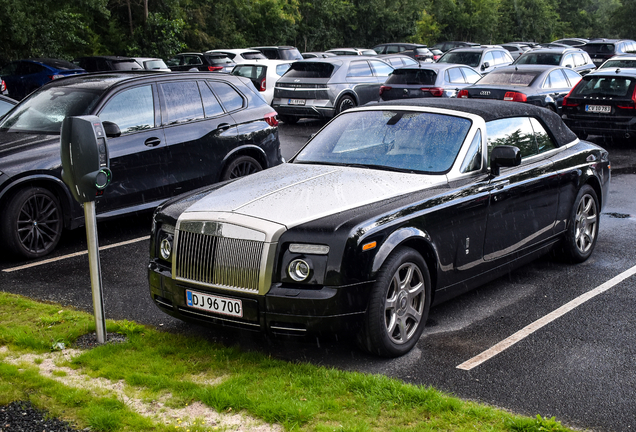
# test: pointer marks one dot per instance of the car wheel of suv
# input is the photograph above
(288, 119)
(240, 167)
(345, 103)
(398, 306)
(581, 235)
(32, 225)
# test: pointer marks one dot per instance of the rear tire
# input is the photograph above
(398, 306)
(32, 225)
(345, 103)
(582, 232)
(241, 167)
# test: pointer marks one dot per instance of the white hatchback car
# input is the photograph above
(264, 74)
(239, 55)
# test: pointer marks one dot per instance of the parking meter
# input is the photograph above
(86, 171)
(85, 163)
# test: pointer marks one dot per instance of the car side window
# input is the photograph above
(579, 60)
(193, 60)
(381, 69)
(557, 80)
(359, 69)
(455, 76)
(392, 49)
(211, 105)
(514, 131)
(472, 161)
(409, 62)
(471, 76)
(544, 141)
(568, 60)
(182, 101)
(572, 76)
(230, 98)
(488, 58)
(132, 109)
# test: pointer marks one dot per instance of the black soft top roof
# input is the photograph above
(493, 110)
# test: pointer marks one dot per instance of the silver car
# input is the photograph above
(325, 87)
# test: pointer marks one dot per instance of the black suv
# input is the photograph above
(205, 62)
(603, 49)
(417, 51)
(280, 52)
(449, 45)
(574, 58)
(167, 133)
(603, 103)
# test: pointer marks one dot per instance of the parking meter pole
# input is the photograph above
(95, 270)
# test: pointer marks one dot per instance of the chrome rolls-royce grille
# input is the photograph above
(204, 255)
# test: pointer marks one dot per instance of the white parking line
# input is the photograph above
(39, 263)
(528, 330)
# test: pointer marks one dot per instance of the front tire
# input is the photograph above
(398, 306)
(32, 225)
(240, 167)
(582, 232)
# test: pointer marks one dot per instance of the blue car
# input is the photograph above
(24, 76)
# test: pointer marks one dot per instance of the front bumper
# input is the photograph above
(283, 310)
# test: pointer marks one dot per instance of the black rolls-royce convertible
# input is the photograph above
(389, 209)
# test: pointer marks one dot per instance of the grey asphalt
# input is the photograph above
(579, 368)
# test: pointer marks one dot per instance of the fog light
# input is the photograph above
(298, 270)
(165, 248)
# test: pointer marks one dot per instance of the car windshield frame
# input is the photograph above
(409, 141)
(42, 112)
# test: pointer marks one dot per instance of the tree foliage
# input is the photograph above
(161, 28)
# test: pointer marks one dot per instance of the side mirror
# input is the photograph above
(568, 66)
(504, 156)
(111, 129)
(485, 66)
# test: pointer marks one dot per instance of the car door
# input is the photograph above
(138, 156)
(360, 78)
(523, 199)
(198, 133)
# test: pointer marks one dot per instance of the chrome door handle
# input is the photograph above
(152, 142)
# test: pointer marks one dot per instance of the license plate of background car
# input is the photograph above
(604, 109)
(296, 102)
(216, 304)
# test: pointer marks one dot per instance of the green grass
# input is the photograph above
(180, 371)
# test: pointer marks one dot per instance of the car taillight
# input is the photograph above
(567, 102)
(436, 57)
(463, 94)
(384, 88)
(3, 86)
(515, 96)
(52, 77)
(434, 91)
(263, 86)
(630, 105)
(215, 68)
(271, 118)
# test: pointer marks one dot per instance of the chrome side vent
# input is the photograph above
(205, 256)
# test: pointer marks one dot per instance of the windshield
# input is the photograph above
(44, 111)
(514, 78)
(467, 58)
(619, 64)
(612, 86)
(540, 58)
(392, 140)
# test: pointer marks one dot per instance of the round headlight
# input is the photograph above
(298, 270)
(165, 248)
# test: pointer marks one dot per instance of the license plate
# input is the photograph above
(216, 304)
(598, 109)
(296, 102)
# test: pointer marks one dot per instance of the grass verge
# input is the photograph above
(149, 382)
